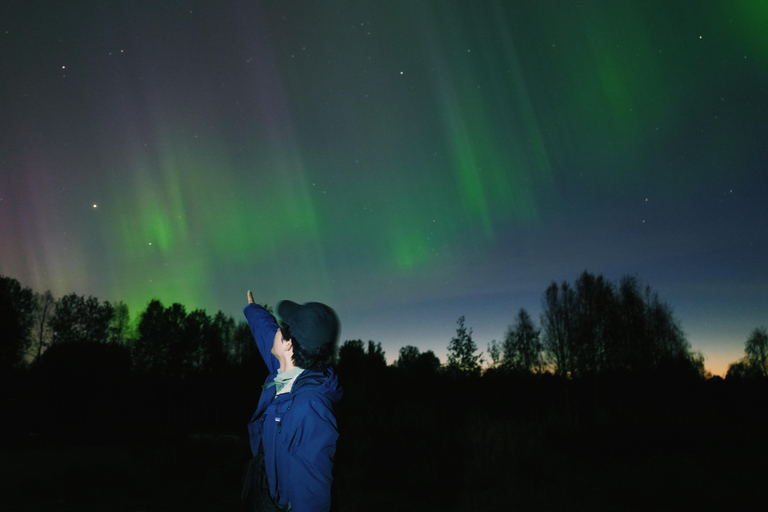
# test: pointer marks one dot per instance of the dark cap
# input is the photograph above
(313, 324)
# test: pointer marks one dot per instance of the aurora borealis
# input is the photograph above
(406, 162)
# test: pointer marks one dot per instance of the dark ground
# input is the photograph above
(433, 444)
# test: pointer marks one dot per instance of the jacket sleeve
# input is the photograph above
(263, 327)
(314, 448)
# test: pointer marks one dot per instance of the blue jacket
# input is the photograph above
(298, 429)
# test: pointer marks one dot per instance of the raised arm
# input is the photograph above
(263, 327)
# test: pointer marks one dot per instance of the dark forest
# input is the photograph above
(601, 405)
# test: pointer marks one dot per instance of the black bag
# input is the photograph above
(255, 495)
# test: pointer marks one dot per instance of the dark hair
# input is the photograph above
(285, 330)
(316, 361)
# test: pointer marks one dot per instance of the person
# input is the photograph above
(293, 432)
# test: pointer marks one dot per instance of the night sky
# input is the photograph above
(406, 162)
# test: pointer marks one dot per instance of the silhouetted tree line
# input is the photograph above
(163, 340)
(595, 327)
(590, 328)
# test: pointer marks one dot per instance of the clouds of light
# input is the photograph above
(491, 131)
